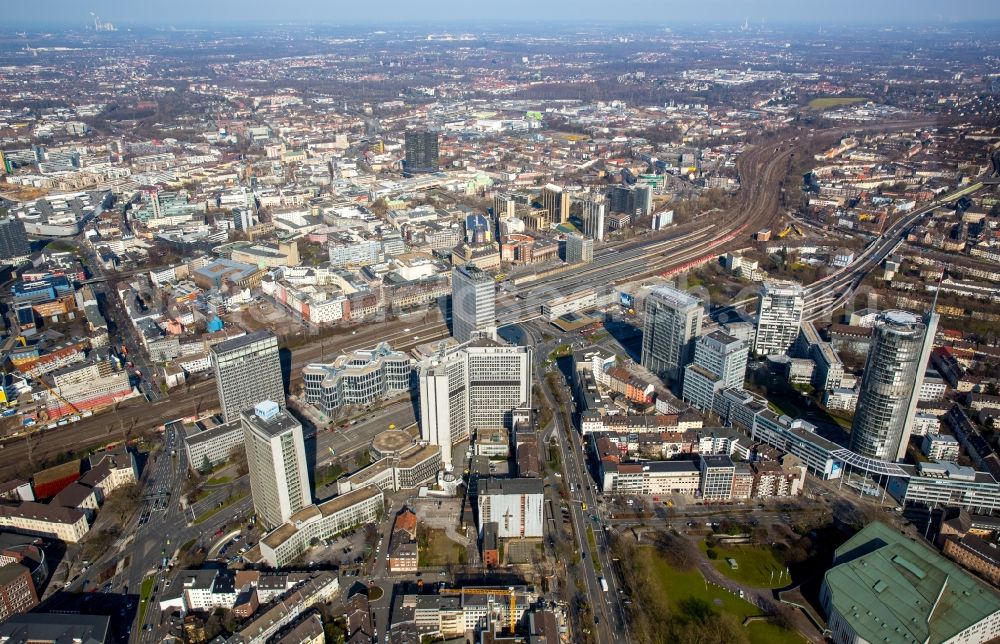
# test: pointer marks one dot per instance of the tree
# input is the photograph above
(781, 615)
(238, 457)
(206, 465)
(678, 550)
(122, 501)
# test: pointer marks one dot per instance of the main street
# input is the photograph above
(156, 529)
(124, 331)
(609, 617)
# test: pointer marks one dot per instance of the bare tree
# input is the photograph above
(238, 457)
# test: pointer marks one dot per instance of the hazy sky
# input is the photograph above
(167, 12)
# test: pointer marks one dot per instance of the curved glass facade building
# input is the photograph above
(890, 386)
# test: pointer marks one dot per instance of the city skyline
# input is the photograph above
(368, 322)
(395, 12)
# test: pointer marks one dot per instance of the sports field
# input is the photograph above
(827, 102)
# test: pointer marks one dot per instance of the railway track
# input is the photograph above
(761, 170)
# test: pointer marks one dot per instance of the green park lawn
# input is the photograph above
(678, 586)
(754, 565)
(767, 633)
(144, 593)
(436, 549)
(562, 351)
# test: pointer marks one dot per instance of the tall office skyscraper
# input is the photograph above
(779, 316)
(474, 386)
(247, 371)
(504, 206)
(673, 321)
(890, 385)
(592, 219)
(13, 240)
(579, 249)
(642, 200)
(720, 361)
(620, 199)
(276, 456)
(243, 219)
(555, 201)
(473, 303)
(635, 200)
(421, 151)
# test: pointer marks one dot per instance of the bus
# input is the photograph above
(604, 583)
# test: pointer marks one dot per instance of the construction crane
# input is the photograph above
(492, 592)
(57, 395)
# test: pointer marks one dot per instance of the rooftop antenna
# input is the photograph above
(936, 292)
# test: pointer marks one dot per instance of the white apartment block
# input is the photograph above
(476, 385)
(359, 253)
(453, 616)
(216, 444)
(653, 477)
(940, 447)
(779, 315)
(287, 541)
(41, 520)
(279, 478)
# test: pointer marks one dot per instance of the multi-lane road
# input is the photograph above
(156, 530)
(826, 295)
(581, 503)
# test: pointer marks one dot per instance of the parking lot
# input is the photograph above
(231, 550)
(344, 551)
